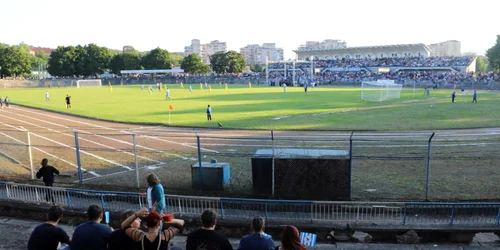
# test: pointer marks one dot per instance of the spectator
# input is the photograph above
(155, 194)
(91, 234)
(207, 237)
(258, 240)
(47, 172)
(119, 240)
(290, 240)
(47, 235)
(154, 239)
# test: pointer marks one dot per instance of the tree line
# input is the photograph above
(93, 60)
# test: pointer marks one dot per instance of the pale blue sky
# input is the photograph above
(171, 25)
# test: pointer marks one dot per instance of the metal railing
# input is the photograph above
(381, 213)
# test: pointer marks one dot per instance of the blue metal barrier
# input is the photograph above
(393, 213)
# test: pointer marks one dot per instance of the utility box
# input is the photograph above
(302, 174)
(215, 175)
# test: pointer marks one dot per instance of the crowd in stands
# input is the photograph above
(150, 230)
(342, 71)
(380, 62)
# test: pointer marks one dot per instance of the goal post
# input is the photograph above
(89, 83)
(380, 90)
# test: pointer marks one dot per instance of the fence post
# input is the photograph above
(30, 154)
(350, 165)
(272, 166)
(199, 160)
(136, 161)
(428, 167)
(78, 162)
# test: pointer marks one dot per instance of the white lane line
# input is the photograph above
(109, 138)
(65, 145)
(178, 143)
(47, 153)
(83, 139)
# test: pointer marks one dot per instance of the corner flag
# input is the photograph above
(170, 107)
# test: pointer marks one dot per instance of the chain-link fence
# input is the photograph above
(310, 165)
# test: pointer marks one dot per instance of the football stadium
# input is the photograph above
(357, 135)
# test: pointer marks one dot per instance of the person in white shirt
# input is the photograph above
(47, 96)
(167, 94)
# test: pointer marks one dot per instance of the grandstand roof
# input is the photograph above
(367, 47)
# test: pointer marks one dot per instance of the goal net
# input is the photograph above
(88, 83)
(380, 90)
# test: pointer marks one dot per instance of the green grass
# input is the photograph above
(323, 108)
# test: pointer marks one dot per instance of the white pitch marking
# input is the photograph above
(83, 139)
(178, 143)
(64, 145)
(47, 153)
(112, 129)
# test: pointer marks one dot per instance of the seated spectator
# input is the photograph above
(119, 240)
(91, 234)
(258, 240)
(47, 235)
(207, 237)
(290, 240)
(153, 239)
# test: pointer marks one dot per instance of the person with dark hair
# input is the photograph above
(119, 240)
(155, 194)
(68, 101)
(47, 235)
(209, 113)
(474, 97)
(91, 234)
(258, 240)
(207, 237)
(290, 240)
(47, 172)
(154, 238)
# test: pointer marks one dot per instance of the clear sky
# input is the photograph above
(171, 25)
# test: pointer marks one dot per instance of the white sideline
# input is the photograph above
(83, 139)
(47, 153)
(65, 145)
(107, 128)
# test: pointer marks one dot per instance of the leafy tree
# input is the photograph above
(14, 61)
(227, 62)
(481, 64)
(125, 61)
(62, 61)
(95, 60)
(218, 62)
(493, 55)
(235, 62)
(192, 64)
(176, 59)
(256, 68)
(157, 59)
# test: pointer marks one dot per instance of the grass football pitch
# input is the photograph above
(263, 107)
